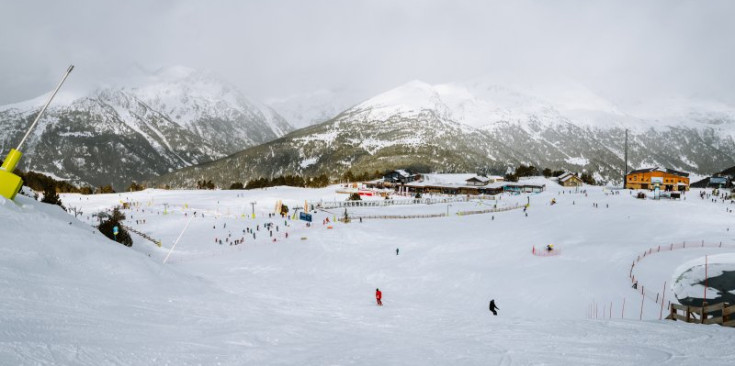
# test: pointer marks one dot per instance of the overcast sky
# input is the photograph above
(277, 48)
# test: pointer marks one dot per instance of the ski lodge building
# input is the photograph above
(458, 184)
(569, 180)
(651, 178)
(400, 177)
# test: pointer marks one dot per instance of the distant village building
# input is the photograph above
(478, 181)
(664, 179)
(569, 180)
(400, 177)
(464, 184)
(723, 179)
(714, 182)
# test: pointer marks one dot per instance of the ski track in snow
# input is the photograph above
(71, 296)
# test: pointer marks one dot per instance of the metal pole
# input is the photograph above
(68, 71)
(663, 298)
(705, 280)
(625, 176)
(643, 297)
(622, 312)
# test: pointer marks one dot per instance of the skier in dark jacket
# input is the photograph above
(493, 308)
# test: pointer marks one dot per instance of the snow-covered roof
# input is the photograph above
(566, 176)
(460, 181)
(445, 179)
(662, 170)
(479, 179)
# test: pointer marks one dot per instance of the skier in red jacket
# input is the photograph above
(378, 296)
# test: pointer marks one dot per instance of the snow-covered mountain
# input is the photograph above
(464, 127)
(173, 118)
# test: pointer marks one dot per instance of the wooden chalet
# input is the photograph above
(663, 179)
(570, 180)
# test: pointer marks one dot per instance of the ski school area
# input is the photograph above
(243, 284)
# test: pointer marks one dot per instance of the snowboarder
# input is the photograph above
(493, 308)
(378, 296)
(396, 251)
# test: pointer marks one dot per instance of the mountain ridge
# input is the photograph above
(453, 128)
(123, 133)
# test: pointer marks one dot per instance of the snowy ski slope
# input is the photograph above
(71, 297)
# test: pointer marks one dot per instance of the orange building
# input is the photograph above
(664, 179)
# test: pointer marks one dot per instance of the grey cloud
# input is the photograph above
(278, 48)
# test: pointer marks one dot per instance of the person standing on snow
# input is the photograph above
(378, 296)
(396, 251)
(493, 308)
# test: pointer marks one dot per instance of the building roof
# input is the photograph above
(657, 169)
(403, 173)
(478, 178)
(730, 172)
(567, 176)
(459, 181)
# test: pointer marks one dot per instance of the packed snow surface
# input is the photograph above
(72, 297)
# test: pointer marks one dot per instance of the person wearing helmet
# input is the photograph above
(378, 296)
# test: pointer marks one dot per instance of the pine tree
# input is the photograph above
(237, 185)
(50, 196)
(586, 178)
(107, 228)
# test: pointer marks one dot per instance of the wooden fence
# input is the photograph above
(427, 216)
(489, 210)
(399, 217)
(382, 203)
(666, 248)
(144, 236)
(709, 314)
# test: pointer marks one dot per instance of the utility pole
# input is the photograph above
(625, 174)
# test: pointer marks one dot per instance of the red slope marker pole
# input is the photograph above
(622, 312)
(643, 297)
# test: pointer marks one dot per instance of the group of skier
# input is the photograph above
(493, 308)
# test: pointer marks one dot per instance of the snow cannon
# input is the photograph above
(10, 184)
